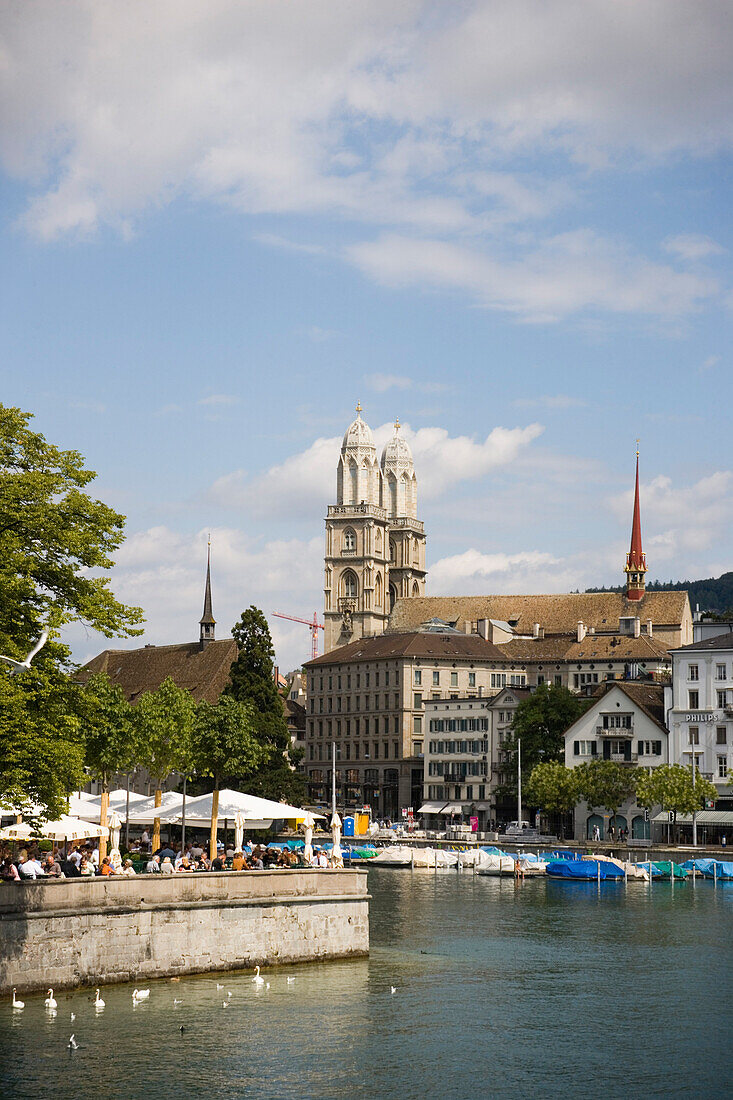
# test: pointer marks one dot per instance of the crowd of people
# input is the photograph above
(76, 860)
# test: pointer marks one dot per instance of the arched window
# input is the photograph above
(378, 592)
(392, 495)
(350, 539)
(378, 540)
(353, 483)
(350, 585)
(392, 596)
(392, 552)
(415, 588)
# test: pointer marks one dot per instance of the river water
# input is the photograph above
(538, 989)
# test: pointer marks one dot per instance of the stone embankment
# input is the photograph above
(89, 932)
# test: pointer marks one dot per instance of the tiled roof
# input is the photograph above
(558, 614)
(203, 672)
(411, 644)
(594, 647)
(720, 641)
(649, 698)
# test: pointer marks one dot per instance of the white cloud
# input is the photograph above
(400, 115)
(383, 382)
(561, 275)
(303, 484)
(684, 519)
(163, 572)
(710, 362)
(692, 246)
(473, 573)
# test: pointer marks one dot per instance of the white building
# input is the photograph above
(625, 724)
(457, 761)
(700, 716)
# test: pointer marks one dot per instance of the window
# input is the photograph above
(418, 677)
(720, 672)
(694, 735)
(693, 672)
(436, 679)
(472, 679)
(417, 700)
(417, 724)
(376, 750)
(693, 699)
(454, 679)
(418, 748)
(722, 767)
(721, 736)
(585, 748)
(350, 585)
(558, 681)
(349, 540)
(385, 750)
(650, 748)
(722, 699)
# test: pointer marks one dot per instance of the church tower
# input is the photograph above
(635, 568)
(406, 532)
(207, 622)
(357, 544)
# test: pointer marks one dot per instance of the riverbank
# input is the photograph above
(79, 932)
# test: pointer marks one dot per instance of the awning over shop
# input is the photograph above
(441, 808)
(705, 817)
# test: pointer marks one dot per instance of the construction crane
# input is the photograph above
(313, 625)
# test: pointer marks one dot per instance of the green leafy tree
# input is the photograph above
(553, 787)
(224, 743)
(164, 722)
(110, 736)
(540, 722)
(252, 681)
(672, 787)
(56, 544)
(607, 784)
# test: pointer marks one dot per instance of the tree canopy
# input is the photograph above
(671, 786)
(553, 787)
(252, 680)
(110, 732)
(540, 721)
(606, 783)
(56, 542)
(164, 721)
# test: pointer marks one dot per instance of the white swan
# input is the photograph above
(393, 989)
(140, 995)
(98, 1002)
(177, 1002)
(225, 1004)
(24, 666)
(50, 1001)
(257, 979)
(218, 986)
(73, 1017)
(73, 1043)
(290, 981)
(17, 1005)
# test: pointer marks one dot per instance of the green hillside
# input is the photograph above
(714, 595)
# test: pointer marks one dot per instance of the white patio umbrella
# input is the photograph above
(308, 849)
(259, 813)
(145, 811)
(114, 821)
(71, 828)
(19, 831)
(239, 823)
(337, 856)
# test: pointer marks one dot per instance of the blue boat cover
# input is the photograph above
(585, 869)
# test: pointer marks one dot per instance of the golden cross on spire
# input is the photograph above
(397, 424)
(637, 448)
(358, 406)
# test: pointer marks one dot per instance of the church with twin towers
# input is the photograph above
(375, 543)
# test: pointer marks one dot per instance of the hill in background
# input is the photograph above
(714, 595)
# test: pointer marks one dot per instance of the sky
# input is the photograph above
(224, 223)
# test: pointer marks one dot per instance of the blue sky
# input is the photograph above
(507, 223)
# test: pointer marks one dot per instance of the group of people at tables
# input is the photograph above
(83, 860)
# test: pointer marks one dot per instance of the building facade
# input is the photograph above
(375, 544)
(625, 723)
(700, 716)
(368, 697)
(457, 761)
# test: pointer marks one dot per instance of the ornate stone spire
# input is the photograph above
(635, 568)
(207, 622)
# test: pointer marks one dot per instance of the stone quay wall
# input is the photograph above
(94, 931)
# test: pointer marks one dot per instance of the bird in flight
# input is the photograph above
(24, 666)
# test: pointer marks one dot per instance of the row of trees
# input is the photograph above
(56, 547)
(604, 784)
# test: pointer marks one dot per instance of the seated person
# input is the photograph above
(153, 865)
(166, 867)
(52, 867)
(127, 869)
(107, 868)
(86, 868)
(8, 871)
(184, 865)
(219, 864)
(238, 861)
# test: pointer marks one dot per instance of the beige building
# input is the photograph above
(375, 544)
(368, 697)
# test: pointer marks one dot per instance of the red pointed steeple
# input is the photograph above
(635, 559)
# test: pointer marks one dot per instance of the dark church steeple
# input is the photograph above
(207, 622)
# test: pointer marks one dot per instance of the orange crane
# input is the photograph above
(313, 625)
